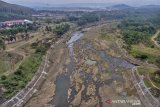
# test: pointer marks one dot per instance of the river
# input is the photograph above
(63, 81)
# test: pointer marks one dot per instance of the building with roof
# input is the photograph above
(16, 22)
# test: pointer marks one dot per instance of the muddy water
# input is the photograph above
(62, 86)
(63, 81)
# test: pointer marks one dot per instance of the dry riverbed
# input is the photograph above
(90, 75)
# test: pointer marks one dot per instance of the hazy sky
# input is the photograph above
(130, 2)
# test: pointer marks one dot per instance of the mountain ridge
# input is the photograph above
(14, 8)
(13, 11)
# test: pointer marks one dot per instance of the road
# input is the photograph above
(23, 96)
(58, 58)
(145, 95)
(152, 82)
(154, 37)
(16, 46)
(46, 92)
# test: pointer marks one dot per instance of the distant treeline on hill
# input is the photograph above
(12, 11)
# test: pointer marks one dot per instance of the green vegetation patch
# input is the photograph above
(108, 37)
(2, 44)
(135, 31)
(145, 53)
(4, 66)
(8, 61)
(155, 77)
(146, 70)
(61, 29)
(14, 82)
(147, 82)
(88, 18)
(153, 73)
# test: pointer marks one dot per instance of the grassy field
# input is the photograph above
(18, 80)
(8, 61)
(147, 72)
(108, 34)
(151, 55)
(145, 53)
(4, 66)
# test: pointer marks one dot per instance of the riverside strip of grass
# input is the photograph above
(14, 82)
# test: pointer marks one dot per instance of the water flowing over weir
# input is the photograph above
(63, 81)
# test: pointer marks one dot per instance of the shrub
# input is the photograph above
(3, 77)
(141, 56)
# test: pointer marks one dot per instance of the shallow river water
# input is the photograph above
(63, 81)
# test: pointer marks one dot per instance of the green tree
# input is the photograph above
(48, 20)
(61, 29)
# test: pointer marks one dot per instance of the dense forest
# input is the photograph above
(137, 30)
(139, 26)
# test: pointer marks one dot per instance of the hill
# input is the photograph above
(12, 11)
(150, 7)
(121, 7)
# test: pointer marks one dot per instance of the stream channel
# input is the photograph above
(63, 81)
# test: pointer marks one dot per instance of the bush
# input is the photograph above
(88, 18)
(2, 44)
(141, 56)
(61, 29)
(41, 49)
(3, 77)
(13, 83)
(18, 72)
